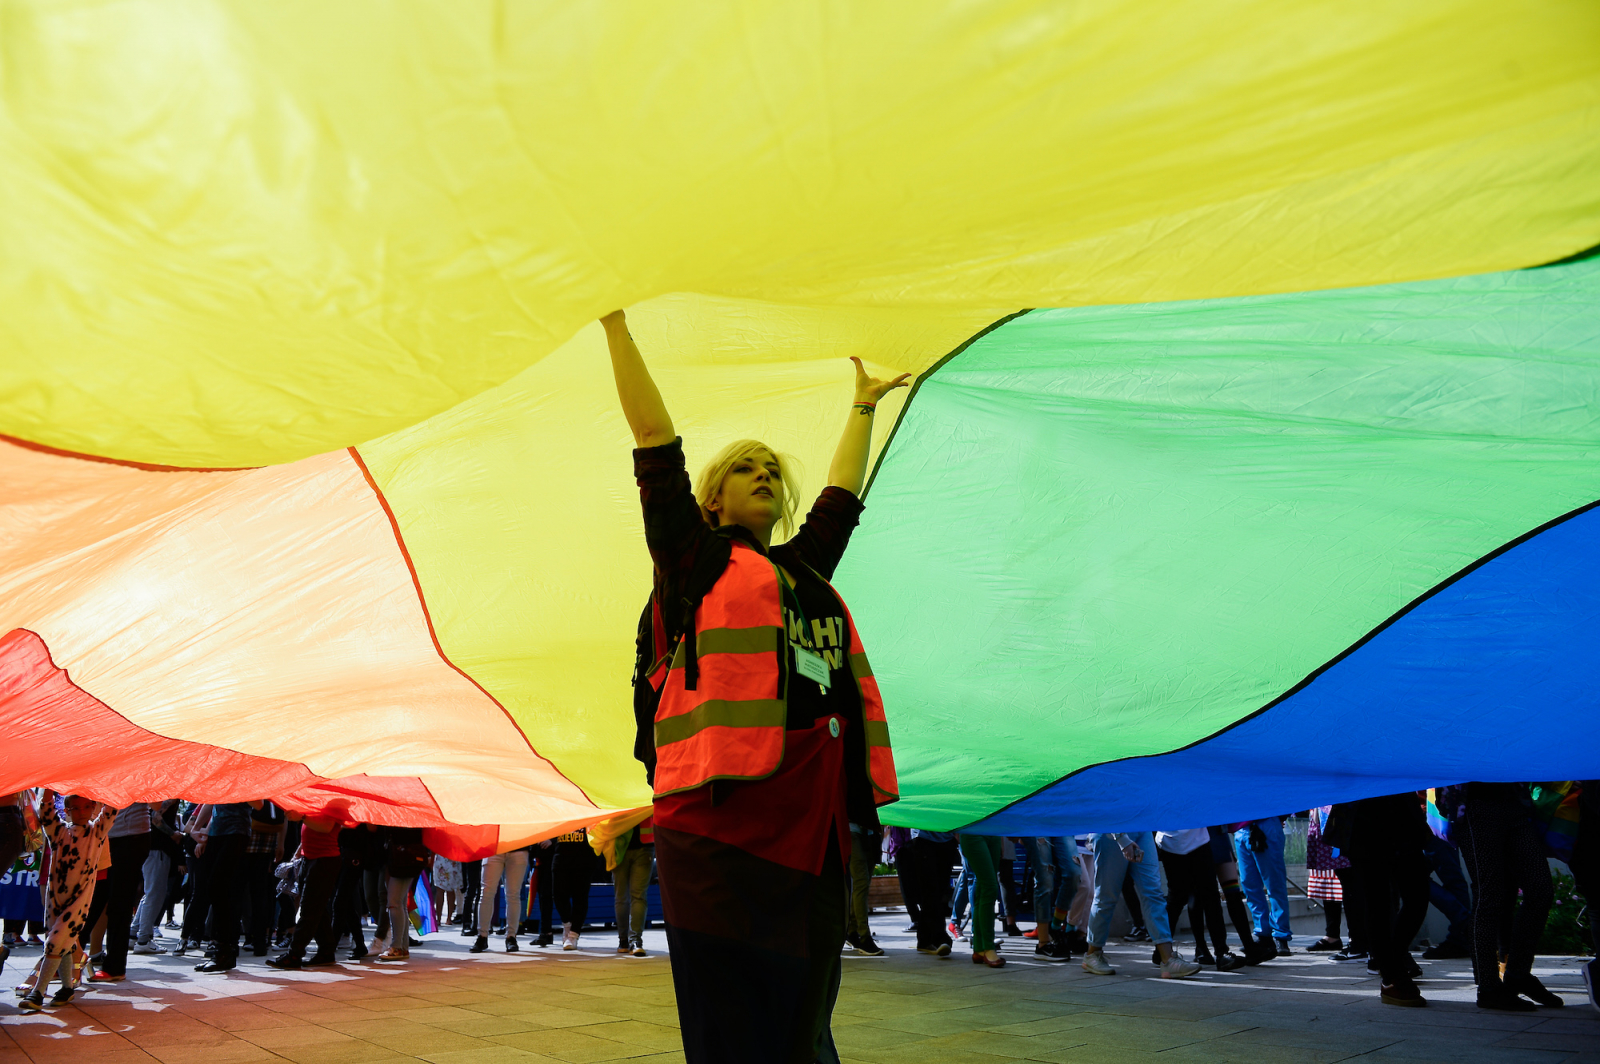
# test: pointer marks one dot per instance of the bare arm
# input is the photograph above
(641, 401)
(849, 468)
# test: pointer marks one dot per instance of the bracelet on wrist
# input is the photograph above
(868, 407)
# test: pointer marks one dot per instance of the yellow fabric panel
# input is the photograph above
(241, 232)
(521, 515)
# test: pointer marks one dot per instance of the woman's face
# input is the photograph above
(751, 494)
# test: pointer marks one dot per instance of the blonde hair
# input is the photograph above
(709, 483)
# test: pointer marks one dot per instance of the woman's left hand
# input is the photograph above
(871, 389)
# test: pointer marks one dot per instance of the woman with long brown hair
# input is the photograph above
(762, 729)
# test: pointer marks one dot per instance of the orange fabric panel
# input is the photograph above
(270, 612)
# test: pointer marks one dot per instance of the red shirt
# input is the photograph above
(315, 843)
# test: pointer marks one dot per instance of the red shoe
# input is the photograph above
(1032, 932)
(105, 977)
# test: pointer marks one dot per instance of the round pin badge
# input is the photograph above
(833, 727)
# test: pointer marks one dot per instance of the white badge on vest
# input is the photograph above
(811, 665)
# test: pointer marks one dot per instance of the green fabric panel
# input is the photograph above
(1106, 532)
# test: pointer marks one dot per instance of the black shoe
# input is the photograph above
(1326, 944)
(62, 996)
(511, 944)
(412, 940)
(1013, 931)
(1283, 947)
(5, 952)
(1155, 956)
(32, 1002)
(1054, 950)
(1203, 956)
(1137, 933)
(480, 945)
(1403, 993)
(545, 938)
(1530, 987)
(1260, 951)
(98, 959)
(1350, 953)
(216, 964)
(852, 942)
(322, 960)
(1447, 950)
(286, 963)
(911, 930)
(1230, 962)
(359, 951)
(469, 932)
(1413, 969)
(867, 947)
(1496, 996)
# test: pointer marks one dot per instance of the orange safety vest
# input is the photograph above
(731, 725)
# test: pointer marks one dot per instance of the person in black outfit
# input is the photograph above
(1508, 858)
(1386, 850)
(320, 848)
(1585, 866)
(925, 861)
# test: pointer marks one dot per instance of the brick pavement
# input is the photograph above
(448, 1007)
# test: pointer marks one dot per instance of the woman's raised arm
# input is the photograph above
(849, 468)
(641, 401)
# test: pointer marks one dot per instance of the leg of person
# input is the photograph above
(1494, 891)
(1083, 896)
(1332, 910)
(1178, 892)
(491, 872)
(1044, 884)
(156, 871)
(1355, 913)
(1275, 877)
(622, 899)
(127, 877)
(638, 891)
(261, 884)
(981, 852)
(1064, 851)
(315, 908)
(580, 887)
(228, 851)
(860, 882)
(1110, 869)
(1253, 882)
(97, 908)
(516, 876)
(399, 924)
(1371, 851)
(1152, 899)
(825, 921)
(1412, 883)
(1531, 874)
(963, 893)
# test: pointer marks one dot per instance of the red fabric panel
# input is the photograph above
(59, 735)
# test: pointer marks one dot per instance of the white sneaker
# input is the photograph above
(569, 940)
(1175, 967)
(144, 949)
(1095, 963)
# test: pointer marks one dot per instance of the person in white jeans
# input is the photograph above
(513, 868)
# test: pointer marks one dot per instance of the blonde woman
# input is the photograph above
(762, 729)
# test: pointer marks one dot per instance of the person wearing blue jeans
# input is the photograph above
(1264, 878)
(1114, 856)
(1055, 881)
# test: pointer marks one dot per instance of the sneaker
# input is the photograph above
(481, 945)
(214, 966)
(1350, 953)
(1283, 947)
(1327, 945)
(322, 960)
(1032, 932)
(145, 949)
(1497, 997)
(31, 1003)
(1404, 994)
(1176, 967)
(393, 954)
(172, 925)
(1137, 933)
(545, 938)
(1095, 963)
(1530, 987)
(1054, 950)
(106, 977)
(941, 950)
(511, 944)
(639, 950)
(852, 942)
(569, 940)
(1591, 983)
(286, 963)
(867, 947)
(1203, 958)
(955, 931)
(1230, 962)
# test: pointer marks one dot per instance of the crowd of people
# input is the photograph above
(249, 876)
(213, 880)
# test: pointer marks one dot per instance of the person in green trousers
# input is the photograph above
(983, 856)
